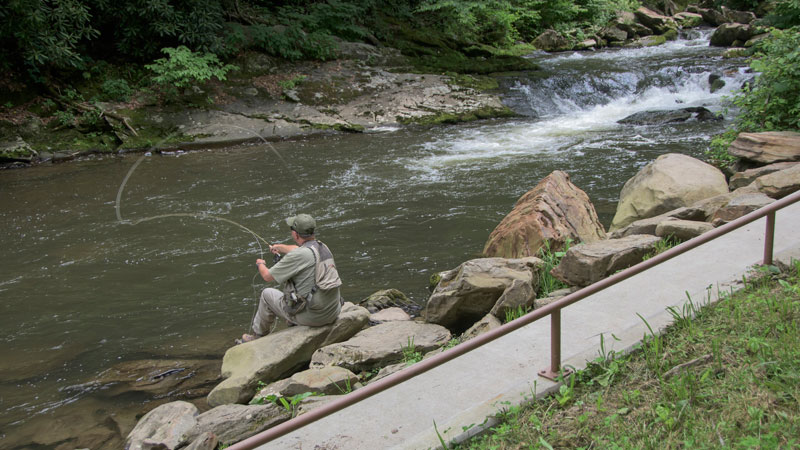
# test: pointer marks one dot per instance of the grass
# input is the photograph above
(547, 282)
(723, 375)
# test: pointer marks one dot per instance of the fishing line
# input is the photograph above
(201, 216)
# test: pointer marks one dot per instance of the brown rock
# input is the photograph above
(739, 206)
(488, 323)
(682, 230)
(779, 184)
(767, 147)
(519, 295)
(655, 21)
(585, 264)
(553, 211)
(742, 179)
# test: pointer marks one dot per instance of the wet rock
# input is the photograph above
(716, 82)
(741, 179)
(487, 323)
(381, 345)
(386, 298)
(659, 23)
(468, 292)
(519, 295)
(671, 181)
(392, 314)
(585, 264)
(551, 41)
(682, 230)
(779, 184)
(163, 427)
(688, 20)
(233, 423)
(739, 206)
(614, 34)
(698, 114)
(767, 147)
(728, 33)
(158, 378)
(322, 380)
(279, 355)
(554, 211)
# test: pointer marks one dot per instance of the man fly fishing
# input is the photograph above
(309, 282)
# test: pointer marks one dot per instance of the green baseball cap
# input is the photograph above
(303, 224)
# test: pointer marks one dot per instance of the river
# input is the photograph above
(82, 291)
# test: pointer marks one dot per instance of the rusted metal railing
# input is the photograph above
(553, 309)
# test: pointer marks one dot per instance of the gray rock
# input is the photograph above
(614, 34)
(468, 292)
(487, 323)
(206, 441)
(313, 402)
(291, 94)
(688, 20)
(742, 179)
(160, 378)
(712, 16)
(164, 427)
(388, 370)
(279, 355)
(233, 423)
(682, 230)
(698, 114)
(779, 184)
(519, 295)
(585, 264)
(322, 380)
(551, 41)
(392, 314)
(671, 181)
(655, 21)
(745, 17)
(381, 345)
(739, 206)
(728, 33)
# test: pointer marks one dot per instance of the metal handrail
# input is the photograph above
(553, 309)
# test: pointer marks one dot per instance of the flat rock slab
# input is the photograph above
(233, 423)
(781, 183)
(742, 179)
(682, 230)
(381, 345)
(163, 427)
(323, 380)
(739, 206)
(585, 264)
(767, 147)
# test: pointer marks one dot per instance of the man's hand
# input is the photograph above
(260, 262)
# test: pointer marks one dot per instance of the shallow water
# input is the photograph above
(81, 291)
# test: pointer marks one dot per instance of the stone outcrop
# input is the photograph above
(682, 230)
(381, 345)
(781, 183)
(279, 355)
(233, 423)
(671, 181)
(552, 212)
(739, 206)
(767, 147)
(742, 179)
(467, 293)
(698, 114)
(585, 264)
(163, 427)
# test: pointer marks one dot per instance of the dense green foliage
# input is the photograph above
(184, 67)
(771, 102)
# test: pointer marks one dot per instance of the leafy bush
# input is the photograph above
(185, 67)
(117, 89)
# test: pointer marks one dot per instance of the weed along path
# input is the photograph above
(462, 395)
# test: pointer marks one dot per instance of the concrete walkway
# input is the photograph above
(461, 394)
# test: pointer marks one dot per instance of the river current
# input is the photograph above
(82, 291)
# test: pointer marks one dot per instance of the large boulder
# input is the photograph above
(742, 179)
(728, 34)
(551, 41)
(233, 423)
(163, 427)
(467, 293)
(585, 264)
(381, 345)
(781, 183)
(655, 21)
(767, 147)
(279, 355)
(712, 16)
(671, 181)
(745, 17)
(552, 212)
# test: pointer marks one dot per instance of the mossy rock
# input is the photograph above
(453, 118)
(477, 82)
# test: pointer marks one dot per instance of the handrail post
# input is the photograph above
(769, 237)
(555, 349)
